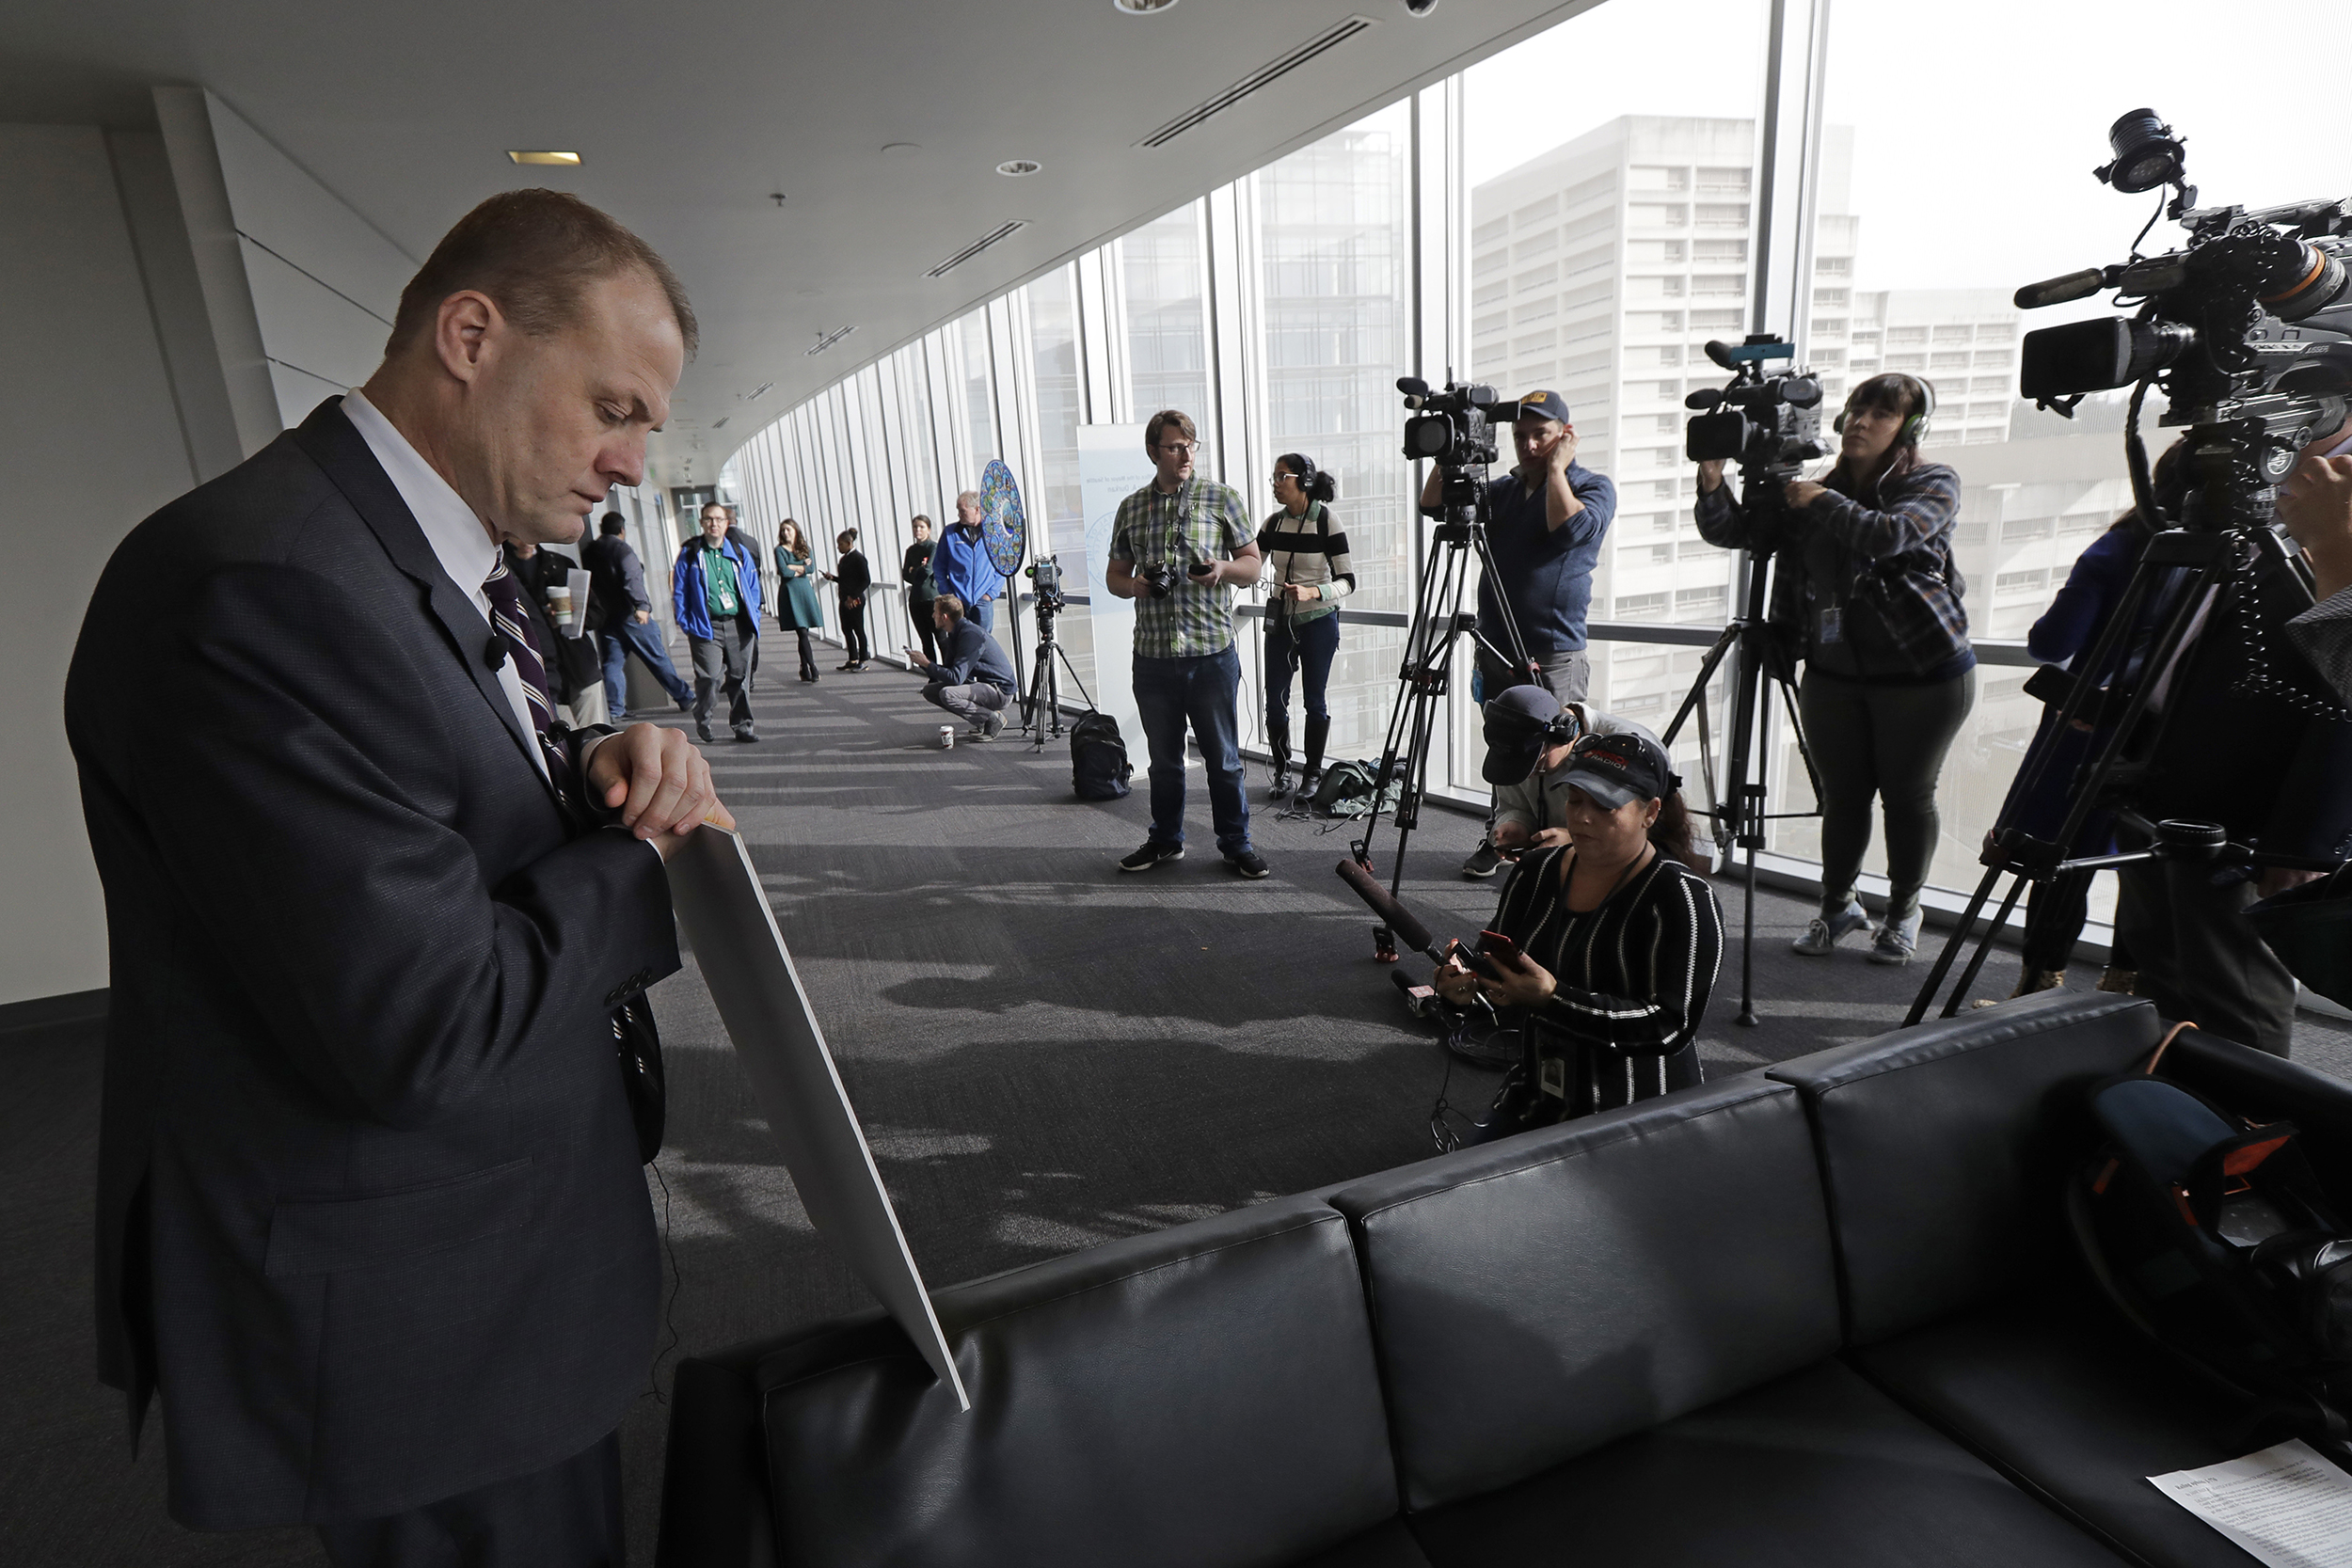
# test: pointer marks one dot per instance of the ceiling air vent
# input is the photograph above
(1265, 75)
(721, 423)
(826, 341)
(977, 247)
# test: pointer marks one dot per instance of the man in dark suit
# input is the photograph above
(371, 1216)
(618, 582)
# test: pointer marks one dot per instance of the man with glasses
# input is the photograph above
(1178, 547)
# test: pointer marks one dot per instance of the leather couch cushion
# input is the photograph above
(1943, 1147)
(1193, 1397)
(1542, 1295)
(2068, 1398)
(1816, 1471)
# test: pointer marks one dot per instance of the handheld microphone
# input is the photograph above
(2058, 290)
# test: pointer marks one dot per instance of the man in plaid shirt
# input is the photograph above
(1187, 669)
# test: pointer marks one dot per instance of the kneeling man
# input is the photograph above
(972, 679)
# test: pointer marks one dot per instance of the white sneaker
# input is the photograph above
(1821, 937)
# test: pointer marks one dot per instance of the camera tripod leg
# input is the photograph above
(1746, 1018)
(1984, 945)
(1952, 944)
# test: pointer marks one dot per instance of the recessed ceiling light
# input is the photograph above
(1141, 7)
(544, 157)
(1019, 165)
(900, 149)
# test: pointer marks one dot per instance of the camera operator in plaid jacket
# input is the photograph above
(1868, 590)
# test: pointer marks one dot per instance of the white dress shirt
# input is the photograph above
(461, 541)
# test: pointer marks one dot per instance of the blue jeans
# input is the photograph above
(645, 641)
(1311, 646)
(1203, 690)
(985, 613)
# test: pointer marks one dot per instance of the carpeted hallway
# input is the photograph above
(1045, 1052)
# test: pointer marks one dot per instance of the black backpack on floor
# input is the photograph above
(1098, 768)
(2216, 1237)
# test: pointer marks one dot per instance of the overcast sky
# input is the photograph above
(1977, 122)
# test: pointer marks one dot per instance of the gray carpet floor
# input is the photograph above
(1045, 1053)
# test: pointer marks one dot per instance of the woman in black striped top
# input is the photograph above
(1308, 574)
(1618, 940)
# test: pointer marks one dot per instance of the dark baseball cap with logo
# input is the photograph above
(1545, 405)
(1615, 769)
(1519, 722)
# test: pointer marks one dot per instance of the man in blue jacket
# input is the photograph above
(961, 564)
(714, 589)
(1546, 520)
(972, 679)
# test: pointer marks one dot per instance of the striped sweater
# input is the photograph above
(1632, 975)
(1307, 550)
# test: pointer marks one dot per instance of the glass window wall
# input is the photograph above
(1601, 224)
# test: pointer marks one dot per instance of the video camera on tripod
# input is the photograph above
(1045, 576)
(2246, 330)
(1455, 430)
(1768, 425)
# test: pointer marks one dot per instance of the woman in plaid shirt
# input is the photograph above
(1868, 585)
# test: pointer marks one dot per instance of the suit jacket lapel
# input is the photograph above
(336, 445)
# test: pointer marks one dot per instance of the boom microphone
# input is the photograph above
(1392, 914)
(2058, 290)
(1400, 920)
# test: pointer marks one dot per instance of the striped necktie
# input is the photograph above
(514, 625)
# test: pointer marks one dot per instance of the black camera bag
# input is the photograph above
(2215, 1237)
(1098, 768)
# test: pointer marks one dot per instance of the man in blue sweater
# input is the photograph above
(972, 679)
(961, 565)
(1546, 520)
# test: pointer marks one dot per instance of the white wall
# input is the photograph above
(91, 442)
(325, 283)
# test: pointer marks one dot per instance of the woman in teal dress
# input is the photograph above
(796, 609)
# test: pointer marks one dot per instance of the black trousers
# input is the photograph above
(853, 632)
(2200, 958)
(919, 611)
(565, 1517)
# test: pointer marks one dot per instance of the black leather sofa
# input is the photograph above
(1818, 1314)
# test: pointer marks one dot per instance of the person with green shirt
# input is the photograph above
(714, 592)
(1178, 547)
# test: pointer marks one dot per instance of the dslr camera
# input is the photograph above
(2246, 330)
(1163, 576)
(1455, 429)
(1769, 425)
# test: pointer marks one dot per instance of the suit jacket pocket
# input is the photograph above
(329, 1235)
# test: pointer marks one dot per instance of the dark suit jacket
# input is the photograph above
(370, 1207)
(617, 578)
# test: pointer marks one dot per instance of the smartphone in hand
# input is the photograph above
(1494, 944)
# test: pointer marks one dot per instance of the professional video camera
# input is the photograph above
(1046, 576)
(2246, 330)
(1455, 430)
(1769, 425)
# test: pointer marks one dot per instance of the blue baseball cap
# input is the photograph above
(1544, 405)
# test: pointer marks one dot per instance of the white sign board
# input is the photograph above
(1112, 465)
(748, 970)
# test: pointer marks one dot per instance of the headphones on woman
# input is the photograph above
(1316, 484)
(1916, 425)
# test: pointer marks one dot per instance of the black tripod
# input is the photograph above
(1439, 621)
(2189, 581)
(1041, 704)
(1739, 811)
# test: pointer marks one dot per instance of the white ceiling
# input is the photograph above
(688, 115)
